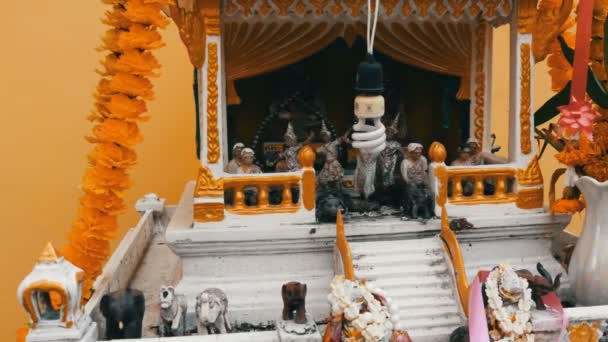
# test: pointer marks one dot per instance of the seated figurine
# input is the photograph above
(332, 172)
(173, 309)
(248, 167)
(418, 197)
(233, 164)
(211, 312)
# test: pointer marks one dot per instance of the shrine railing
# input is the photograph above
(273, 192)
(490, 184)
(484, 184)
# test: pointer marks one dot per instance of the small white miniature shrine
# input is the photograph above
(51, 295)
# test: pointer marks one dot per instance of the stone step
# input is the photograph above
(401, 271)
(422, 312)
(429, 257)
(415, 274)
(392, 283)
(394, 247)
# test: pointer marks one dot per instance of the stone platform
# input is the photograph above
(251, 262)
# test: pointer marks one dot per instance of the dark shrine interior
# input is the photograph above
(426, 100)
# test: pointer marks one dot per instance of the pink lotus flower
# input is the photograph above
(577, 117)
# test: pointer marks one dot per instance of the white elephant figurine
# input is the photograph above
(211, 312)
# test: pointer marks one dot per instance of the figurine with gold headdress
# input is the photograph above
(332, 172)
(388, 158)
(290, 155)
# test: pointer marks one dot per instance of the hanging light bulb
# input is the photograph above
(369, 136)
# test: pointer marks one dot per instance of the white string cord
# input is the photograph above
(371, 26)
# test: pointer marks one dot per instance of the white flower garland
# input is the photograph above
(348, 298)
(520, 327)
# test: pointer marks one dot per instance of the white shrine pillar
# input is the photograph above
(522, 149)
(481, 84)
(209, 190)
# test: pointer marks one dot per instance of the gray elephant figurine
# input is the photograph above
(173, 309)
(211, 312)
(124, 313)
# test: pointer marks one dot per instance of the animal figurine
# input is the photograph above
(173, 309)
(124, 313)
(418, 201)
(460, 224)
(294, 299)
(211, 312)
(540, 285)
(328, 202)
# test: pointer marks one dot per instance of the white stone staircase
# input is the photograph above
(417, 275)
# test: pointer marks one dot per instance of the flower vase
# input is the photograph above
(588, 270)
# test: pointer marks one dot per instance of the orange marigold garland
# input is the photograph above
(120, 105)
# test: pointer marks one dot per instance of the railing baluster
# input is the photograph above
(478, 187)
(286, 200)
(500, 186)
(263, 195)
(457, 187)
(239, 197)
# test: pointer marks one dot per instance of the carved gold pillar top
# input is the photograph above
(526, 15)
(211, 15)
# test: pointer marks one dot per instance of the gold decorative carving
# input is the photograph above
(456, 9)
(48, 254)
(208, 212)
(532, 175)
(191, 27)
(213, 135)
(356, 5)
(584, 332)
(211, 15)
(530, 198)
(524, 109)
(545, 24)
(437, 152)
(207, 185)
(344, 248)
(526, 15)
(480, 81)
(46, 286)
(283, 6)
(423, 7)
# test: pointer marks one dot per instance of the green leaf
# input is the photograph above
(549, 109)
(566, 50)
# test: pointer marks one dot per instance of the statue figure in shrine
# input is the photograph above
(388, 158)
(290, 155)
(365, 174)
(418, 197)
(332, 172)
(464, 156)
(476, 156)
(247, 166)
(233, 164)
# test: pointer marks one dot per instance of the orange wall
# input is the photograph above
(47, 64)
